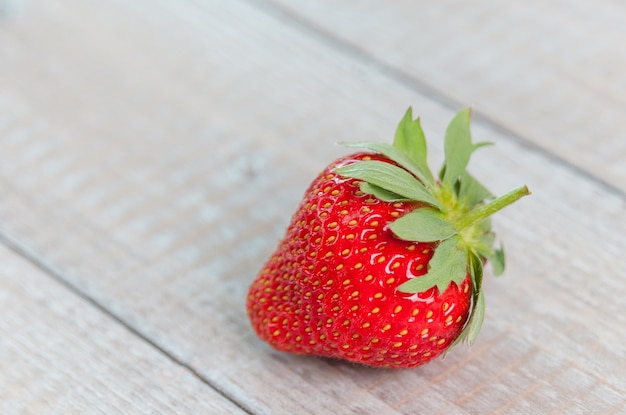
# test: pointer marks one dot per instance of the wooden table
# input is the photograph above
(152, 151)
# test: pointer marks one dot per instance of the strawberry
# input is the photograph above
(382, 264)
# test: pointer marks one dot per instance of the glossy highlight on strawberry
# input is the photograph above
(353, 277)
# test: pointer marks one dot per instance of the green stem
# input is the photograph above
(484, 211)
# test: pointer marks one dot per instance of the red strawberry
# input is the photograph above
(382, 264)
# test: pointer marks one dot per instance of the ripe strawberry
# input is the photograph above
(382, 264)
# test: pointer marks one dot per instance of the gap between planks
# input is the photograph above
(19, 250)
(302, 24)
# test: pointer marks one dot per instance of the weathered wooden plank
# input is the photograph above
(152, 162)
(60, 355)
(551, 72)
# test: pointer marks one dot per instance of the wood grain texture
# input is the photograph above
(60, 355)
(153, 152)
(549, 72)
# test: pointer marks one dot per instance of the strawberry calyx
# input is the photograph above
(452, 211)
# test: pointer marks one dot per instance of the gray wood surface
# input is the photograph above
(550, 72)
(61, 355)
(153, 151)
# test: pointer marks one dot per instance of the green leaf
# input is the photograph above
(476, 273)
(411, 141)
(471, 191)
(457, 147)
(423, 225)
(381, 193)
(498, 261)
(449, 263)
(391, 178)
(483, 245)
(482, 144)
(475, 320)
(395, 154)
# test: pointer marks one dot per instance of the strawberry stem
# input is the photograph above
(482, 212)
